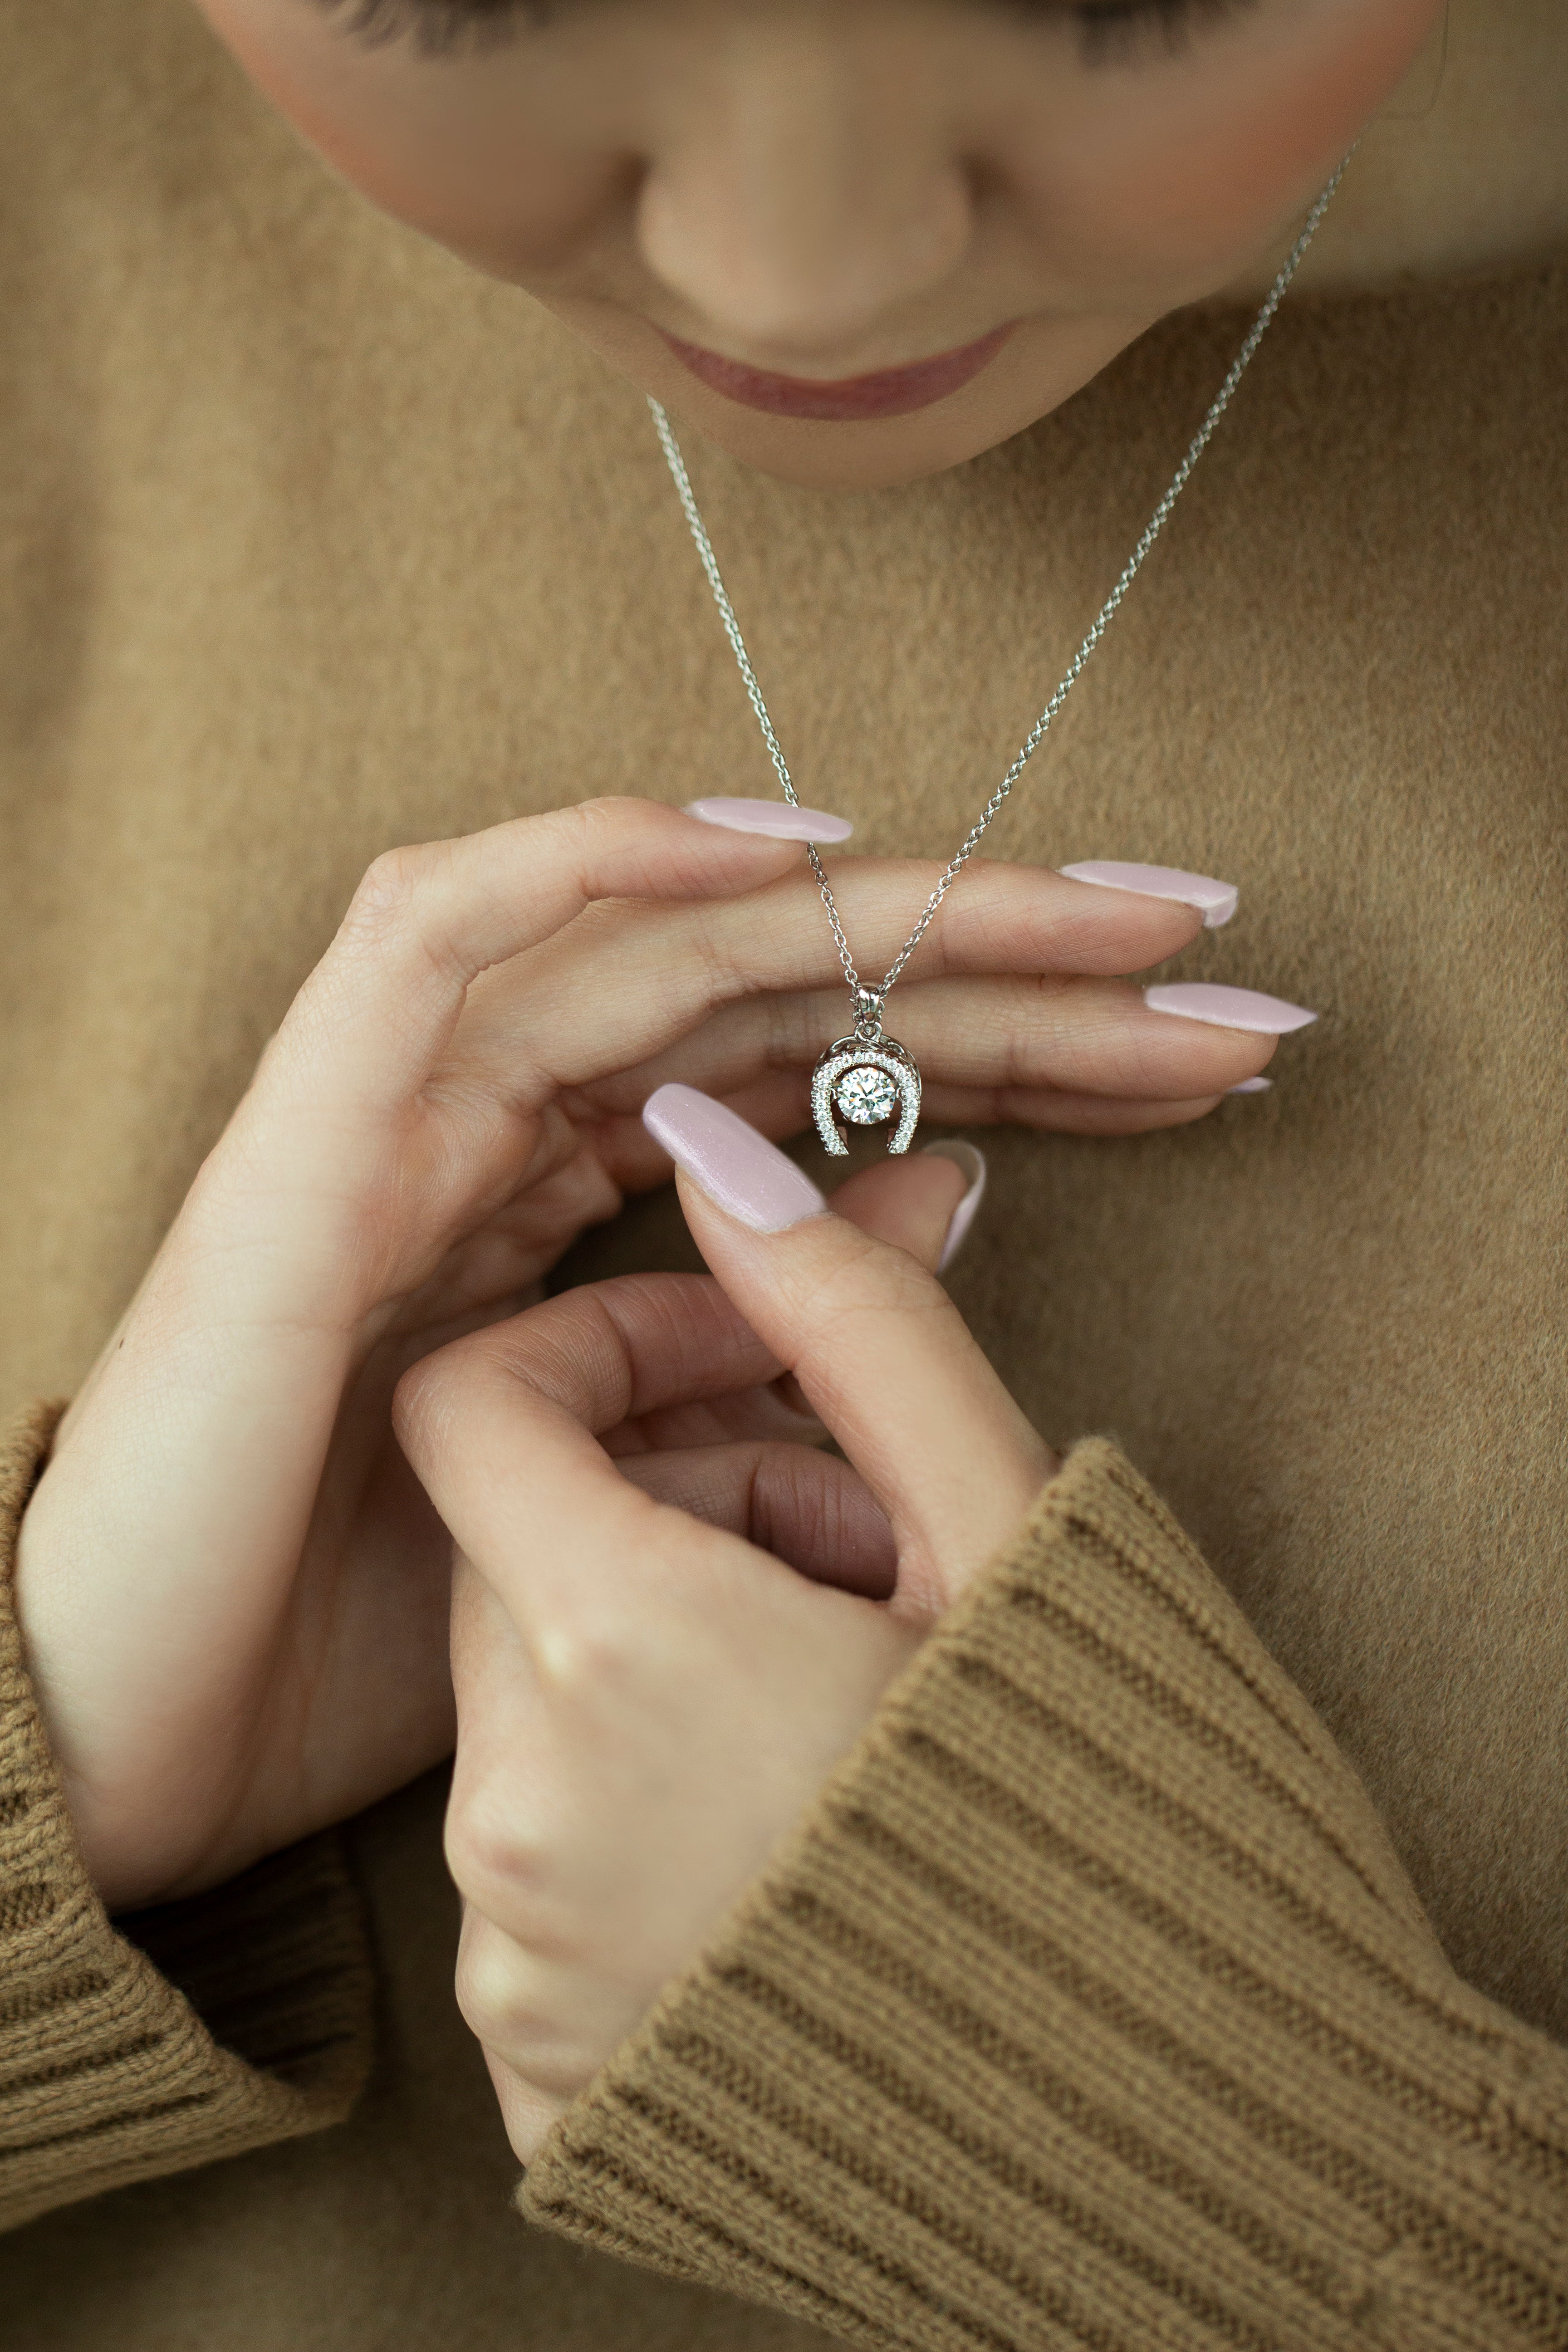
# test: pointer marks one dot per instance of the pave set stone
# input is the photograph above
(868, 1085)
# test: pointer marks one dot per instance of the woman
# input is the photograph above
(982, 1936)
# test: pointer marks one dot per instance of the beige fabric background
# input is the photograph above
(312, 542)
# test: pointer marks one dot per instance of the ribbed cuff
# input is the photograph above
(1089, 2007)
(186, 2033)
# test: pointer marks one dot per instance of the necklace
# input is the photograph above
(866, 1076)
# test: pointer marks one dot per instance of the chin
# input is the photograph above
(1042, 365)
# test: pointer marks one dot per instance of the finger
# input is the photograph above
(603, 1585)
(767, 1414)
(519, 1243)
(542, 2020)
(877, 1348)
(502, 1427)
(619, 1354)
(907, 1204)
(547, 2022)
(615, 991)
(427, 920)
(1076, 1036)
(810, 1510)
(779, 1105)
(1049, 1112)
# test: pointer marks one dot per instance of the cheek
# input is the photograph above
(1170, 188)
(465, 157)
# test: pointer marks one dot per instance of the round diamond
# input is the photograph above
(866, 1095)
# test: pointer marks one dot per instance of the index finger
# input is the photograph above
(883, 1356)
(427, 920)
(502, 1427)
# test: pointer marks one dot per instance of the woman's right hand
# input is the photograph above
(662, 1646)
(232, 1591)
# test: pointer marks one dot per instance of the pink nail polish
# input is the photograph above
(1252, 1086)
(741, 1171)
(1216, 901)
(782, 819)
(972, 1160)
(1228, 1008)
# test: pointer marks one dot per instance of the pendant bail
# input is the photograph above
(868, 1004)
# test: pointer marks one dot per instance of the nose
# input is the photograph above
(812, 195)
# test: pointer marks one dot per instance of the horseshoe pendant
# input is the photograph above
(866, 1079)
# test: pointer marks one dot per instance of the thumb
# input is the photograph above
(883, 1356)
(925, 1204)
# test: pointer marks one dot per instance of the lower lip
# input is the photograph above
(856, 399)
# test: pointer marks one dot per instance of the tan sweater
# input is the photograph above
(1093, 2006)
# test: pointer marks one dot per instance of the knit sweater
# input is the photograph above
(1179, 1960)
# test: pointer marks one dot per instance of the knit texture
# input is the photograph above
(180, 2034)
(312, 541)
(1089, 2008)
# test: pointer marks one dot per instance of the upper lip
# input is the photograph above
(879, 392)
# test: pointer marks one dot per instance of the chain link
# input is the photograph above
(1037, 735)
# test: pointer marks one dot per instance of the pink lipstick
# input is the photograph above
(854, 399)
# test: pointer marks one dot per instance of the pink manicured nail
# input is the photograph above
(1252, 1086)
(738, 1169)
(1216, 901)
(971, 1161)
(1228, 1008)
(781, 818)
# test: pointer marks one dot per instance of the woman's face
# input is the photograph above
(853, 241)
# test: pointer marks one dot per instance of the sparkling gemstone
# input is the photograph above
(866, 1095)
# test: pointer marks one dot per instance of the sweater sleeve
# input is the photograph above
(166, 2038)
(1089, 2008)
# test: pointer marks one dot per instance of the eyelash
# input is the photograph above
(1112, 31)
(435, 28)
(1109, 32)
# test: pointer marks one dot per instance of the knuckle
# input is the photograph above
(496, 1854)
(588, 1661)
(391, 884)
(725, 962)
(514, 1872)
(400, 903)
(430, 1389)
(415, 1404)
(517, 2019)
(1098, 1049)
(608, 813)
(586, 829)
(489, 1981)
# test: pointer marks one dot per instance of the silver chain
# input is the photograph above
(869, 1002)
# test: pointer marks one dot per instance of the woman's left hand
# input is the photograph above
(663, 1644)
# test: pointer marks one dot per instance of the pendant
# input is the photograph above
(865, 1078)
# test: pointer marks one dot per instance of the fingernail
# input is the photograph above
(780, 818)
(972, 1160)
(1228, 1008)
(738, 1169)
(1252, 1086)
(1216, 901)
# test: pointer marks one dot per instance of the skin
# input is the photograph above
(824, 187)
(233, 1591)
(648, 1696)
(230, 1583)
